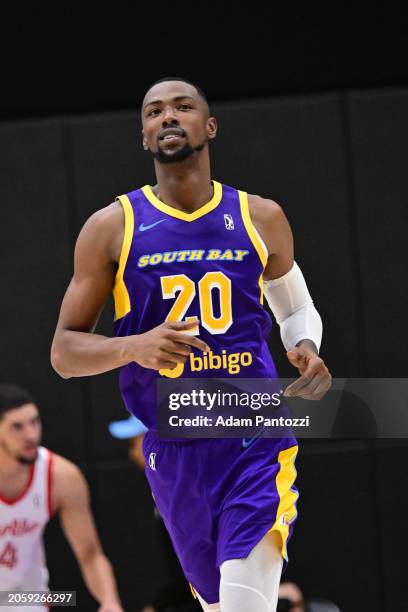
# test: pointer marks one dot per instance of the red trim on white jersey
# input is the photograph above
(50, 476)
(13, 500)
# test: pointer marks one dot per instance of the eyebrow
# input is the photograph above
(174, 100)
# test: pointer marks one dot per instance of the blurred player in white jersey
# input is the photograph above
(34, 484)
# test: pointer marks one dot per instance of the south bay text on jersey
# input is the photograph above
(169, 257)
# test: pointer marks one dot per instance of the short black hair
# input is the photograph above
(13, 396)
(173, 78)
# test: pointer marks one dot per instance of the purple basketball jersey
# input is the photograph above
(176, 265)
(217, 497)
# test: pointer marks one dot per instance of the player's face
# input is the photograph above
(20, 433)
(176, 122)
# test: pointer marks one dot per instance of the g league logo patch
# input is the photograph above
(152, 461)
(229, 222)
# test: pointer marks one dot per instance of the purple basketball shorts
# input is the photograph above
(219, 497)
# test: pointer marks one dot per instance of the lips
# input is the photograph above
(171, 134)
(170, 137)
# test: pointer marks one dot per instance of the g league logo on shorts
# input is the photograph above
(152, 461)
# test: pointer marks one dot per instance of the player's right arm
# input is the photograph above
(76, 350)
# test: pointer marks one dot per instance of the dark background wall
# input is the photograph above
(70, 60)
(336, 164)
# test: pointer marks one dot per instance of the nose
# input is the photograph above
(31, 434)
(169, 116)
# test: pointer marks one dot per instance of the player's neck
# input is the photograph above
(186, 190)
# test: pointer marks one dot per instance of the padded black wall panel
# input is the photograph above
(334, 551)
(391, 537)
(35, 268)
(379, 133)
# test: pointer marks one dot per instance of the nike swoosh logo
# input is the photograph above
(248, 441)
(144, 228)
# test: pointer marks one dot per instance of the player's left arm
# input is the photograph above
(71, 499)
(287, 295)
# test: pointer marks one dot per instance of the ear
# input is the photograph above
(212, 127)
(144, 142)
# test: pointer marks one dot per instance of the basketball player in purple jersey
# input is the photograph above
(190, 261)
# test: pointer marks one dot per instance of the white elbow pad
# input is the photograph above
(290, 301)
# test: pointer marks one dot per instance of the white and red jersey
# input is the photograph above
(22, 522)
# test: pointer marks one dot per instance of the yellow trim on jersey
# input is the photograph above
(287, 512)
(253, 235)
(120, 292)
(179, 214)
(192, 589)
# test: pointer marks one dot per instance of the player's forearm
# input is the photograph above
(99, 578)
(77, 353)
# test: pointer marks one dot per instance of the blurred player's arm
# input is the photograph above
(70, 497)
(289, 299)
(76, 350)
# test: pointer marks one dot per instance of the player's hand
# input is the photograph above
(315, 379)
(166, 345)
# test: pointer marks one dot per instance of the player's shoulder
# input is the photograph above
(270, 221)
(103, 232)
(65, 472)
(263, 209)
(105, 218)
(67, 482)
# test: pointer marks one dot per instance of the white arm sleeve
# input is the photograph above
(289, 299)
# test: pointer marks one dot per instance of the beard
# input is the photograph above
(27, 460)
(20, 458)
(184, 153)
